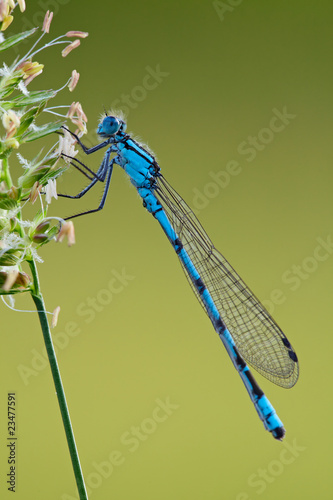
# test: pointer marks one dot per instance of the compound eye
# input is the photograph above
(110, 125)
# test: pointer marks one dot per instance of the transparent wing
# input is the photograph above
(258, 338)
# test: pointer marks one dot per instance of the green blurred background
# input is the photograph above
(221, 75)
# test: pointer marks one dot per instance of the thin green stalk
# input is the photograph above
(6, 174)
(39, 302)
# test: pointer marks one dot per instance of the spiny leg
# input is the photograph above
(93, 174)
(100, 175)
(104, 172)
(105, 192)
(81, 193)
(88, 151)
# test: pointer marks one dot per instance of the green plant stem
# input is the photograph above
(6, 174)
(39, 302)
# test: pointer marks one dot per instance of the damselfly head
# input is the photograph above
(111, 125)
